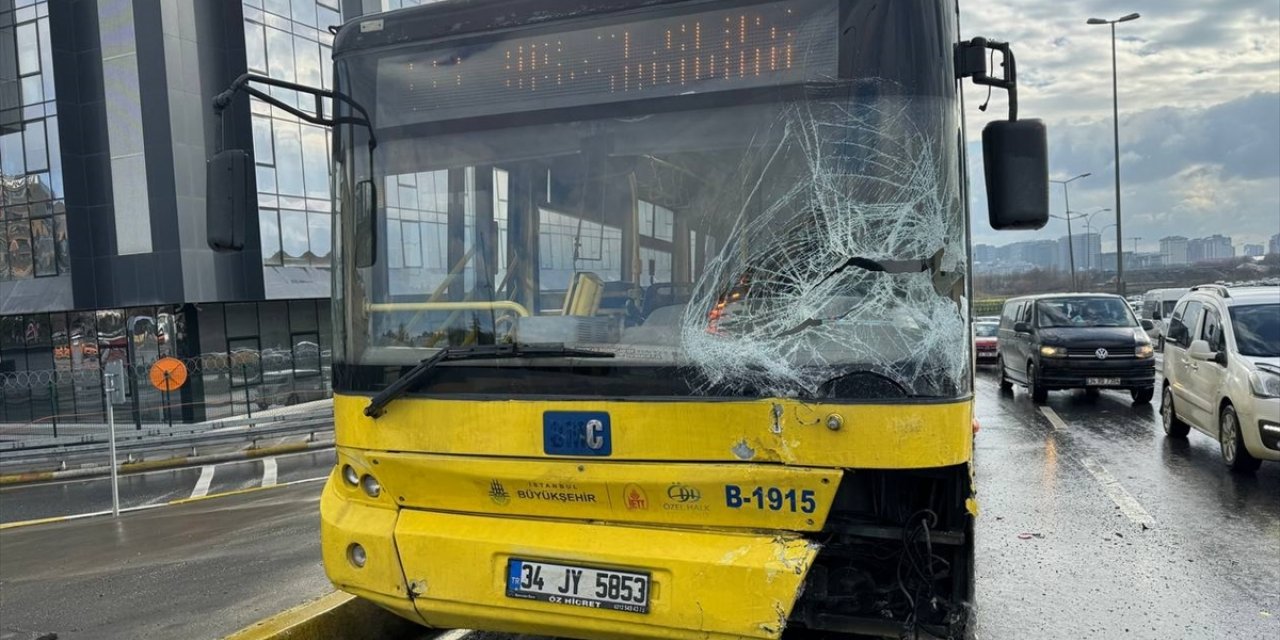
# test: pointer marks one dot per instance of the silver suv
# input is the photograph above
(1222, 371)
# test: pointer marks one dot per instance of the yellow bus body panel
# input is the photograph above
(624, 492)
(869, 436)
(451, 512)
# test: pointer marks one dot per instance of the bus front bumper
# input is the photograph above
(449, 570)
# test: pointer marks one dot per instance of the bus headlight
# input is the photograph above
(1266, 384)
(349, 475)
(370, 486)
(1144, 351)
(1053, 352)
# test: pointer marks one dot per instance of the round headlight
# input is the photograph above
(356, 555)
(370, 486)
(349, 475)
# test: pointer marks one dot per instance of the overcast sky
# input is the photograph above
(1199, 112)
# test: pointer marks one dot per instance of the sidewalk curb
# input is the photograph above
(330, 617)
(12, 479)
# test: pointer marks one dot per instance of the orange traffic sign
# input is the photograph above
(167, 374)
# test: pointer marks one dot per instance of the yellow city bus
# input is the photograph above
(653, 315)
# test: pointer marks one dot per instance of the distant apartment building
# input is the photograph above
(1211, 249)
(1174, 250)
(1253, 250)
(1084, 248)
(1274, 245)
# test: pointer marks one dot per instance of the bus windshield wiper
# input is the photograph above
(411, 378)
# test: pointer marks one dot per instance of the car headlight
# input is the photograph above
(1265, 383)
(1053, 352)
(1144, 351)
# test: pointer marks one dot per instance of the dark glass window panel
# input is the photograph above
(395, 250)
(43, 247)
(326, 70)
(20, 249)
(307, 61)
(12, 158)
(112, 341)
(255, 47)
(46, 59)
(280, 63)
(304, 11)
(293, 236)
(35, 144)
(326, 18)
(315, 161)
(242, 320)
(306, 354)
(19, 212)
(278, 7)
(263, 149)
(302, 315)
(28, 49)
(55, 158)
(288, 158)
(61, 341)
(266, 179)
(319, 232)
(32, 90)
(62, 243)
(245, 361)
(269, 232)
(83, 339)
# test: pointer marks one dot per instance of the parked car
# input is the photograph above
(1222, 371)
(1075, 341)
(1157, 306)
(985, 341)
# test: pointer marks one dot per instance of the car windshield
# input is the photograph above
(1085, 312)
(1257, 329)
(985, 329)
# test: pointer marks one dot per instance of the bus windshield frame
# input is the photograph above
(805, 238)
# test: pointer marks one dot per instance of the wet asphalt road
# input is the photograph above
(1093, 525)
(141, 490)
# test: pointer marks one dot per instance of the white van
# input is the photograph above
(1157, 306)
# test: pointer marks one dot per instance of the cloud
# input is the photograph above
(1199, 104)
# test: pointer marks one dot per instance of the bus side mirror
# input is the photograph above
(1016, 162)
(227, 189)
(366, 224)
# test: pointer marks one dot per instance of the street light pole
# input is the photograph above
(1115, 117)
(1066, 200)
(1088, 225)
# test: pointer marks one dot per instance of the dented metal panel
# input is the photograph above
(870, 436)
(720, 495)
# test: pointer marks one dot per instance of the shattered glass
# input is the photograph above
(853, 264)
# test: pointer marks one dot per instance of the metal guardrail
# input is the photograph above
(152, 443)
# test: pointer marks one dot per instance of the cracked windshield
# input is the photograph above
(653, 319)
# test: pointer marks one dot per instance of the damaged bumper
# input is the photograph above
(449, 570)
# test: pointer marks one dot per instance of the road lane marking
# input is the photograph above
(456, 634)
(170, 503)
(1128, 504)
(268, 472)
(202, 485)
(1054, 419)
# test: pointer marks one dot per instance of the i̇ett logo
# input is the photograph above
(635, 498)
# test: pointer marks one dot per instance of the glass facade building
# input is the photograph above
(105, 127)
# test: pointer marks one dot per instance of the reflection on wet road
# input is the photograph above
(1095, 525)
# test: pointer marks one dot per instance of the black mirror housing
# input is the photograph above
(1148, 325)
(227, 188)
(366, 224)
(1021, 327)
(1015, 155)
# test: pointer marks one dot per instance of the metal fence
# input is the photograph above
(218, 385)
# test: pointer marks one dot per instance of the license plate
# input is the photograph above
(1102, 382)
(578, 586)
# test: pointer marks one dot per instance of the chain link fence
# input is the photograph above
(218, 385)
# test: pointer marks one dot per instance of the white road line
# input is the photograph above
(456, 634)
(268, 472)
(1128, 504)
(1054, 419)
(202, 485)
